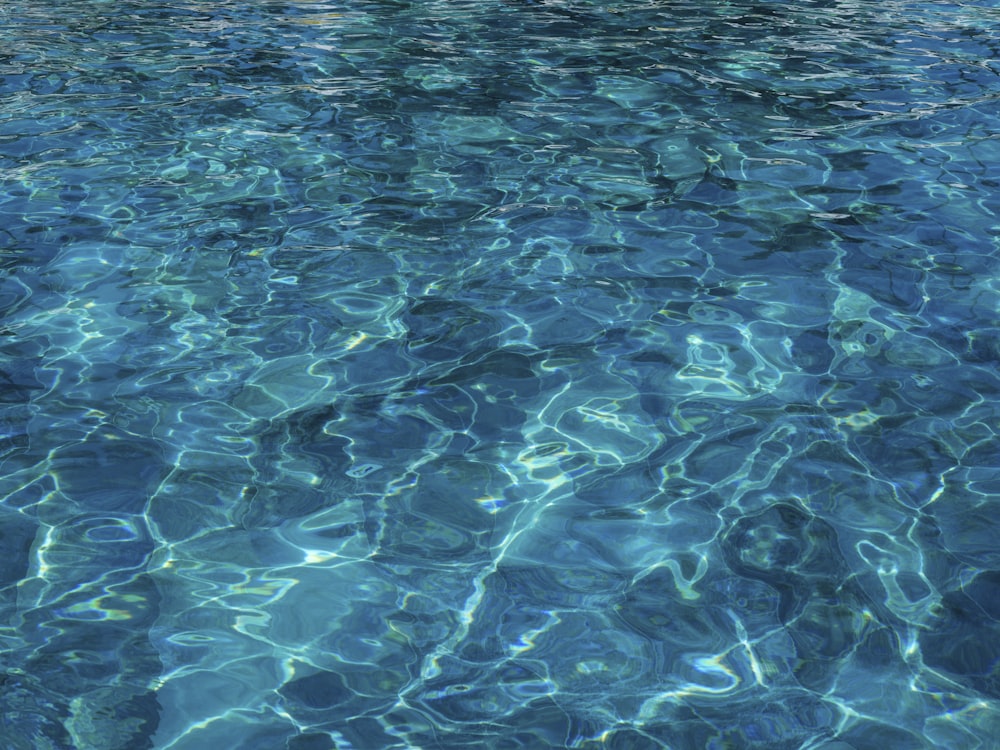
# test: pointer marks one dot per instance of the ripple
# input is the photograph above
(534, 374)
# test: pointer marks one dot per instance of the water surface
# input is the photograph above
(499, 375)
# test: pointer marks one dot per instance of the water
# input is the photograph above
(500, 375)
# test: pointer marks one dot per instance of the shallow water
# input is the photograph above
(499, 375)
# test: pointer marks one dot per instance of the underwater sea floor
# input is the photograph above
(473, 375)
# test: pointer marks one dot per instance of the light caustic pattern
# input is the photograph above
(499, 375)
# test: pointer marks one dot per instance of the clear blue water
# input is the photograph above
(479, 375)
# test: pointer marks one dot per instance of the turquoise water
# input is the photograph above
(500, 375)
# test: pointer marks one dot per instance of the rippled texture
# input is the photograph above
(500, 375)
